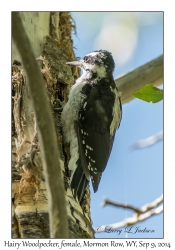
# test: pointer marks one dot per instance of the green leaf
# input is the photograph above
(149, 93)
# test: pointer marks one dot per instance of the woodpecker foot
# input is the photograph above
(58, 105)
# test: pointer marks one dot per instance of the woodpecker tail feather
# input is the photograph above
(96, 180)
(79, 183)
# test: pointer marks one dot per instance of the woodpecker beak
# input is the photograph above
(75, 63)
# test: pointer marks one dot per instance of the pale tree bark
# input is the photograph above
(30, 213)
(50, 37)
(151, 72)
(46, 132)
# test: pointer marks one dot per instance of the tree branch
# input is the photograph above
(115, 204)
(151, 72)
(46, 132)
(151, 140)
(131, 220)
(141, 214)
(143, 209)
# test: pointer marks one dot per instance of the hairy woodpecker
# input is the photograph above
(90, 119)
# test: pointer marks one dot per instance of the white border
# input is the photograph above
(5, 94)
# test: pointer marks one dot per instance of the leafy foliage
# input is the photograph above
(149, 93)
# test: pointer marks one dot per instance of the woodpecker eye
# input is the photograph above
(86, 59)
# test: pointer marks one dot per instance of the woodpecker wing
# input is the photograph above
(93, 129)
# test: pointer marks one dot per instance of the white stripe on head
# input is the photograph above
(92, 54)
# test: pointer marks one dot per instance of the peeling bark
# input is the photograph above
(29, 195)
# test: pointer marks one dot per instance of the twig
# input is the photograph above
(148, 141)
(46, 132)
(131, 220)
(154, 204)
(151, 72)
(108, 202)
(141, 214)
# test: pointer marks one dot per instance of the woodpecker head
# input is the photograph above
(98, 64)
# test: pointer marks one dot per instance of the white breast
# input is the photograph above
(71, 109)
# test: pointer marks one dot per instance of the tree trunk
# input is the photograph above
(50, 37)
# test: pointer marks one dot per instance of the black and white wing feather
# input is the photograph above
(93, 128)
